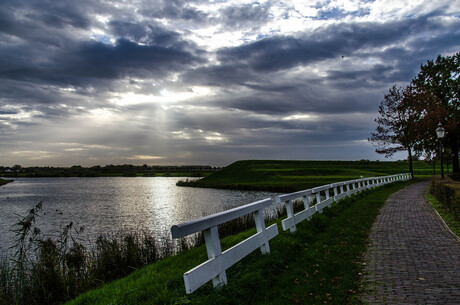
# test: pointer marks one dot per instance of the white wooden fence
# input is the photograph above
(325, 195)
(218, 261)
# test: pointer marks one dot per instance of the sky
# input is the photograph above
(206, 82)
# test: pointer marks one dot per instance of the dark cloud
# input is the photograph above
(125, 58)
(82, 63)
(285, 52)
(41, 20)
(174, 9)
(244, 16)
(221, 75)
(48, 53)
(351, 42)
(59, 14)
(148, 33)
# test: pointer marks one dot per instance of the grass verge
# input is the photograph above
(321, 263)
(447, 216)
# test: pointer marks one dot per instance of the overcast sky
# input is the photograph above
(206, 82)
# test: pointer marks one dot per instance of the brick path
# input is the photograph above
(412, 257)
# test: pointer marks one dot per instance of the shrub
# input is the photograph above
(447, 192)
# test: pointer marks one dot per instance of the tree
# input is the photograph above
(441, 78)
(397, 125)
(429, 112)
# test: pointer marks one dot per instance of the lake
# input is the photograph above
(110, 205)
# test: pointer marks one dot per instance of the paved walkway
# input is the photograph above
(412, 257)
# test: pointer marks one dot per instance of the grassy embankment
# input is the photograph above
(319, 264)
(290, 176)
(3, 181)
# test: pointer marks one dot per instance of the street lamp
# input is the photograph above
(441, 132)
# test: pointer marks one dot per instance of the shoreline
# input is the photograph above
(96, 175)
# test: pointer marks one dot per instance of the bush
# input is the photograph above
(447, 192)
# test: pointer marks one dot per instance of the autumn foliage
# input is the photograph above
(408, 117)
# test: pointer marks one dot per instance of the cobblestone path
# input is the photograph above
(412, 257)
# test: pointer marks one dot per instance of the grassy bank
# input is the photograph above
(320, 264)
(289, 176)
(3, 181)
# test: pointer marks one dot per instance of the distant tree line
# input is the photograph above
(408, 117)
(108, 170)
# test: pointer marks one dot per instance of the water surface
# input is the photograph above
(106, 205)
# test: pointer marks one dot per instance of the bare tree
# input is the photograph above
(397, 126)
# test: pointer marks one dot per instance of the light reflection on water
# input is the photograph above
(107, 205)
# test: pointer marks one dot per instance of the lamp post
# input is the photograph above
(441, 132)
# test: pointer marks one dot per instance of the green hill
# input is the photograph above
(288, 176)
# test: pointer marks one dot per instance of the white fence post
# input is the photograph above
(211, 238)
(290, 214)
(289, 223)
(306, 202)
(260, 226)
(318, 200)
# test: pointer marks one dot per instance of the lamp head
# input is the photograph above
(440, 131)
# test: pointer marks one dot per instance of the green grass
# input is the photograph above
(447, 216)
(321, 263)
(289, 176)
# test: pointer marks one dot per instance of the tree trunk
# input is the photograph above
(447, 163)
(454, 147)
(409, 151)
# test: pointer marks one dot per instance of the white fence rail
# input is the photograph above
(218, 262)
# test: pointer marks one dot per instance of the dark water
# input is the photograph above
(111, 204)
